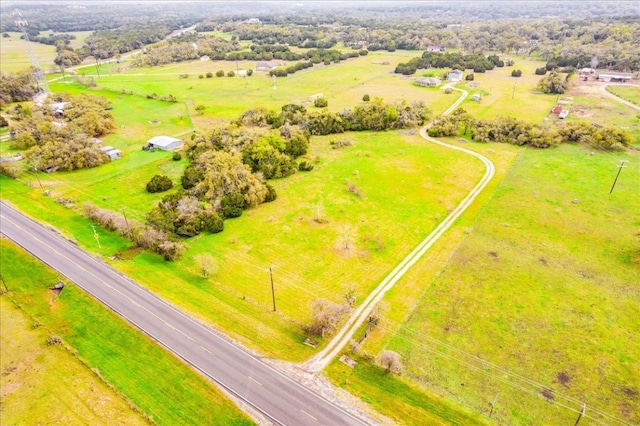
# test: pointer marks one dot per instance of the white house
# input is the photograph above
(165, 143)
(266, 66)
(455, 76)
(614, 77)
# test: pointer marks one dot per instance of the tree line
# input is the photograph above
(478, 63)
(523, 133)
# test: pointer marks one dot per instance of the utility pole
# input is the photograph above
(97, 69)
(6, 289)
(616, 179)
(582, 413)
(96, 236)
(35, 168)
(273, 292)
(126, 221)
(493, 404)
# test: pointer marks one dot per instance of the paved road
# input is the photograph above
(324, 357)
(279, 398)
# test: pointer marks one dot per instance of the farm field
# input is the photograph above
(629, 93)
(43, 383)
(161, 386)
(541, 294)
(14, 55)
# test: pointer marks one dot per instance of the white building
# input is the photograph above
(165, 143)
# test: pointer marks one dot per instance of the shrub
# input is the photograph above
(469, 77)
(11, 169)
(448, 90)
(176, 156)
(159, 183)
(321, 102)
(171, 250)
(184, 75)
(366, 98)
(541, 71)
(201, 76)
(249, 72)
(219, 73)
(231, 74)
(209, 74)
(516, 73)
(271, 193)
(305, 166)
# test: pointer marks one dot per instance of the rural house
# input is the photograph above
(266, 66)
(428, 81)
(165, 143)
(436, 48)
(455, 76)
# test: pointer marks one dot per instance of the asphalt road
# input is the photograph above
(280, 399)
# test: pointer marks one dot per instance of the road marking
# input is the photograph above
(254, 380)
(206, 350)
(309, 415)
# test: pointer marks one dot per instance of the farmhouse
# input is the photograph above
(428, 81)
(614, 77)
(436, 48)
(455, 76)
(266, 66)
(113, 153)
(165, 143)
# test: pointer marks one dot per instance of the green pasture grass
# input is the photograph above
(628, 93)
(400, 399)
(408, 186)
(81, 37)
(14, 55)
(157, 383)
(47, 384)
(545, 285)
(508, 96)
(344, 85)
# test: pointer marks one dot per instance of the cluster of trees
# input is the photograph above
(185, 48)
(554, 83)
(184, 215)
(518, 132)
(66, 142)
(17, 87)
(292, 35)
(141, 235)
(460, 61)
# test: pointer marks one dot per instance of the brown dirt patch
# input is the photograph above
(563, 378)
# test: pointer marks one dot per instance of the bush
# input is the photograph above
(448, 90)
(184, 75)
(366, 98)
(305, 166)
(469, 77)
(170, 250)
(209, 74)
(219, 73)
(176, 156)
(11, 169)
(516, 73)
(541, 71)
(271, 193)
(249, 72)
(159, 183)
(321, 102)
(231, 74)
(201, 76)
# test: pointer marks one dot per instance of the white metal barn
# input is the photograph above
(165, 143)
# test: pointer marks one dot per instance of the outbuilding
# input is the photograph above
(428, 81)
(614, 77)
(165, 143)
(455, 76)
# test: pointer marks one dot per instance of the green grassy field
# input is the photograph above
(542, 293)
(407, 186)
(161, 386)
(47, 384)
(629, 93)
(14, 55)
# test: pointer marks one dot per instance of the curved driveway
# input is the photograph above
(324, 357)
(277, 397)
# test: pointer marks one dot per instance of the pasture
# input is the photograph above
(539, 302)
(14, 55)
(43, 383)
(106, 360)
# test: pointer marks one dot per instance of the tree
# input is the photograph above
(554, 83)
(206, 263)
(366, 98)
(200, 109)
(346, 240)
(249, 72)
(325, 315)
(159, 183)
(516, 73)
(321, 102)
(231, 74)
(390, 360)
(219, 73)
(541, 71)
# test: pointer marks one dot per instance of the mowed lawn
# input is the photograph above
(539, 303)
(105, 368)
(43, 383)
